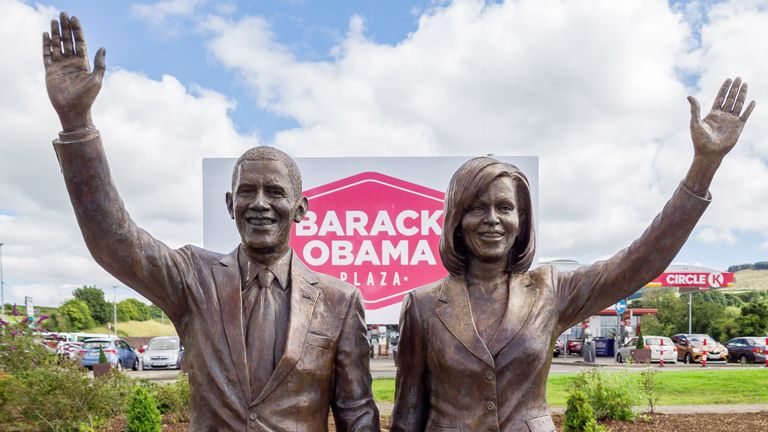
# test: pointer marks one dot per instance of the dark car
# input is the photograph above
(746, 349)
(558, 350)
(118, 352)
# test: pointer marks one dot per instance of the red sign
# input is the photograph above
(703, 280)
(376, 232)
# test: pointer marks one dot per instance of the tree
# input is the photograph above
(75, 315)
(94, 298)
(753, 320)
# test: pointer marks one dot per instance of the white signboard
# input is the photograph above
(372, 222)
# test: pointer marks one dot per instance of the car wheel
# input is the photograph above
(688, 358)
(619, 359)
(743, 359)
(135, 365)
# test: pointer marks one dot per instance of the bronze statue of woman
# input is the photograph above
(476, 347)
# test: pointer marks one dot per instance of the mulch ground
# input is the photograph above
(655, 423)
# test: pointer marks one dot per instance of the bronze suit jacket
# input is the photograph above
(449, 380)
(325, 363)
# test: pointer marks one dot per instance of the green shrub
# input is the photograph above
(102, 356)
(610, 395)
(173, 399)
(640, 341)
(579, 416)
(648, 387)
(143, 415)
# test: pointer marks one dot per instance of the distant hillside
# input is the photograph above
(139, 328)
(751, 280)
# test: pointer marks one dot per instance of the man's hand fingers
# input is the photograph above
(66, 34)
(55, 40)
(695, 111)
(740, 99)
(729, 102)
(47, 50)
(100, 64)
(747, 111)
(720, 99)
(81, 48)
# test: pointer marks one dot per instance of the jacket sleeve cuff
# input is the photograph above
(707, 198)
(78, 136)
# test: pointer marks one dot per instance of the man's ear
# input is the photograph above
(301, 210)
(230, 204)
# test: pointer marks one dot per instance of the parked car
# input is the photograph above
(573, 346)
(558, 350)
(691, 347)
(659, 346)
(118, 352)
(69, 349)
(746, 349)
(164, 352)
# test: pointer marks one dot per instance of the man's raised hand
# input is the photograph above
(717, 133)
(72, 87)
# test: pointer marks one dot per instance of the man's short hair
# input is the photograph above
(266, 153)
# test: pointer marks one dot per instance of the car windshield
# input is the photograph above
(656, 341)
(164, 344)
(94, 345)
(701, 339)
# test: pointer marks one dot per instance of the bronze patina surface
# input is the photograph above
(271, 345)
(475, 348)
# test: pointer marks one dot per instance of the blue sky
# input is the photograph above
(596, 89)
(310, 29)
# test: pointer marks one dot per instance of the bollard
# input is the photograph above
(661, 361)
(704, 355)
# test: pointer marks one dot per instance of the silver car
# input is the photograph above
(659, 346)
(164, 352)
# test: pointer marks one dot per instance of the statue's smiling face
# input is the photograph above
(491, 224)
(264, 205)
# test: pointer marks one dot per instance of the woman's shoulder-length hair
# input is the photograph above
(467, 183)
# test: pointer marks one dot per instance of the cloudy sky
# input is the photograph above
(595, 89)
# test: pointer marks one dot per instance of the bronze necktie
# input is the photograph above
(261, 333)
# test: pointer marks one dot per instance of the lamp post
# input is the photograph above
(2, 283)
(114, 306)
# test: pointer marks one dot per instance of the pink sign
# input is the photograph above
(376, 232)
(694, 280)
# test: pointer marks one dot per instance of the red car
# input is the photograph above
(573, 346)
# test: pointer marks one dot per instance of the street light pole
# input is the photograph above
(2, 283)
(114, 306)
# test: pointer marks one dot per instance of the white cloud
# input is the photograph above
(713, 236)
(155, 133)
(593, 88)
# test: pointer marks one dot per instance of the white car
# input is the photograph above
(658, 345)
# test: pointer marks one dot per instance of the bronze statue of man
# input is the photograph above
(271, 345)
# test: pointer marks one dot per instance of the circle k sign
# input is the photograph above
(376, 232)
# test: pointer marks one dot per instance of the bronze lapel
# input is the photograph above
(304, 295)
(522, 296)
(457, 316)
(226, 276)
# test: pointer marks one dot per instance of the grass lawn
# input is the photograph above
(685, 387)
(139, 328)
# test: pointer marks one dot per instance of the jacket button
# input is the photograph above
(490, 406)
(489, 375)
(252, 416)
